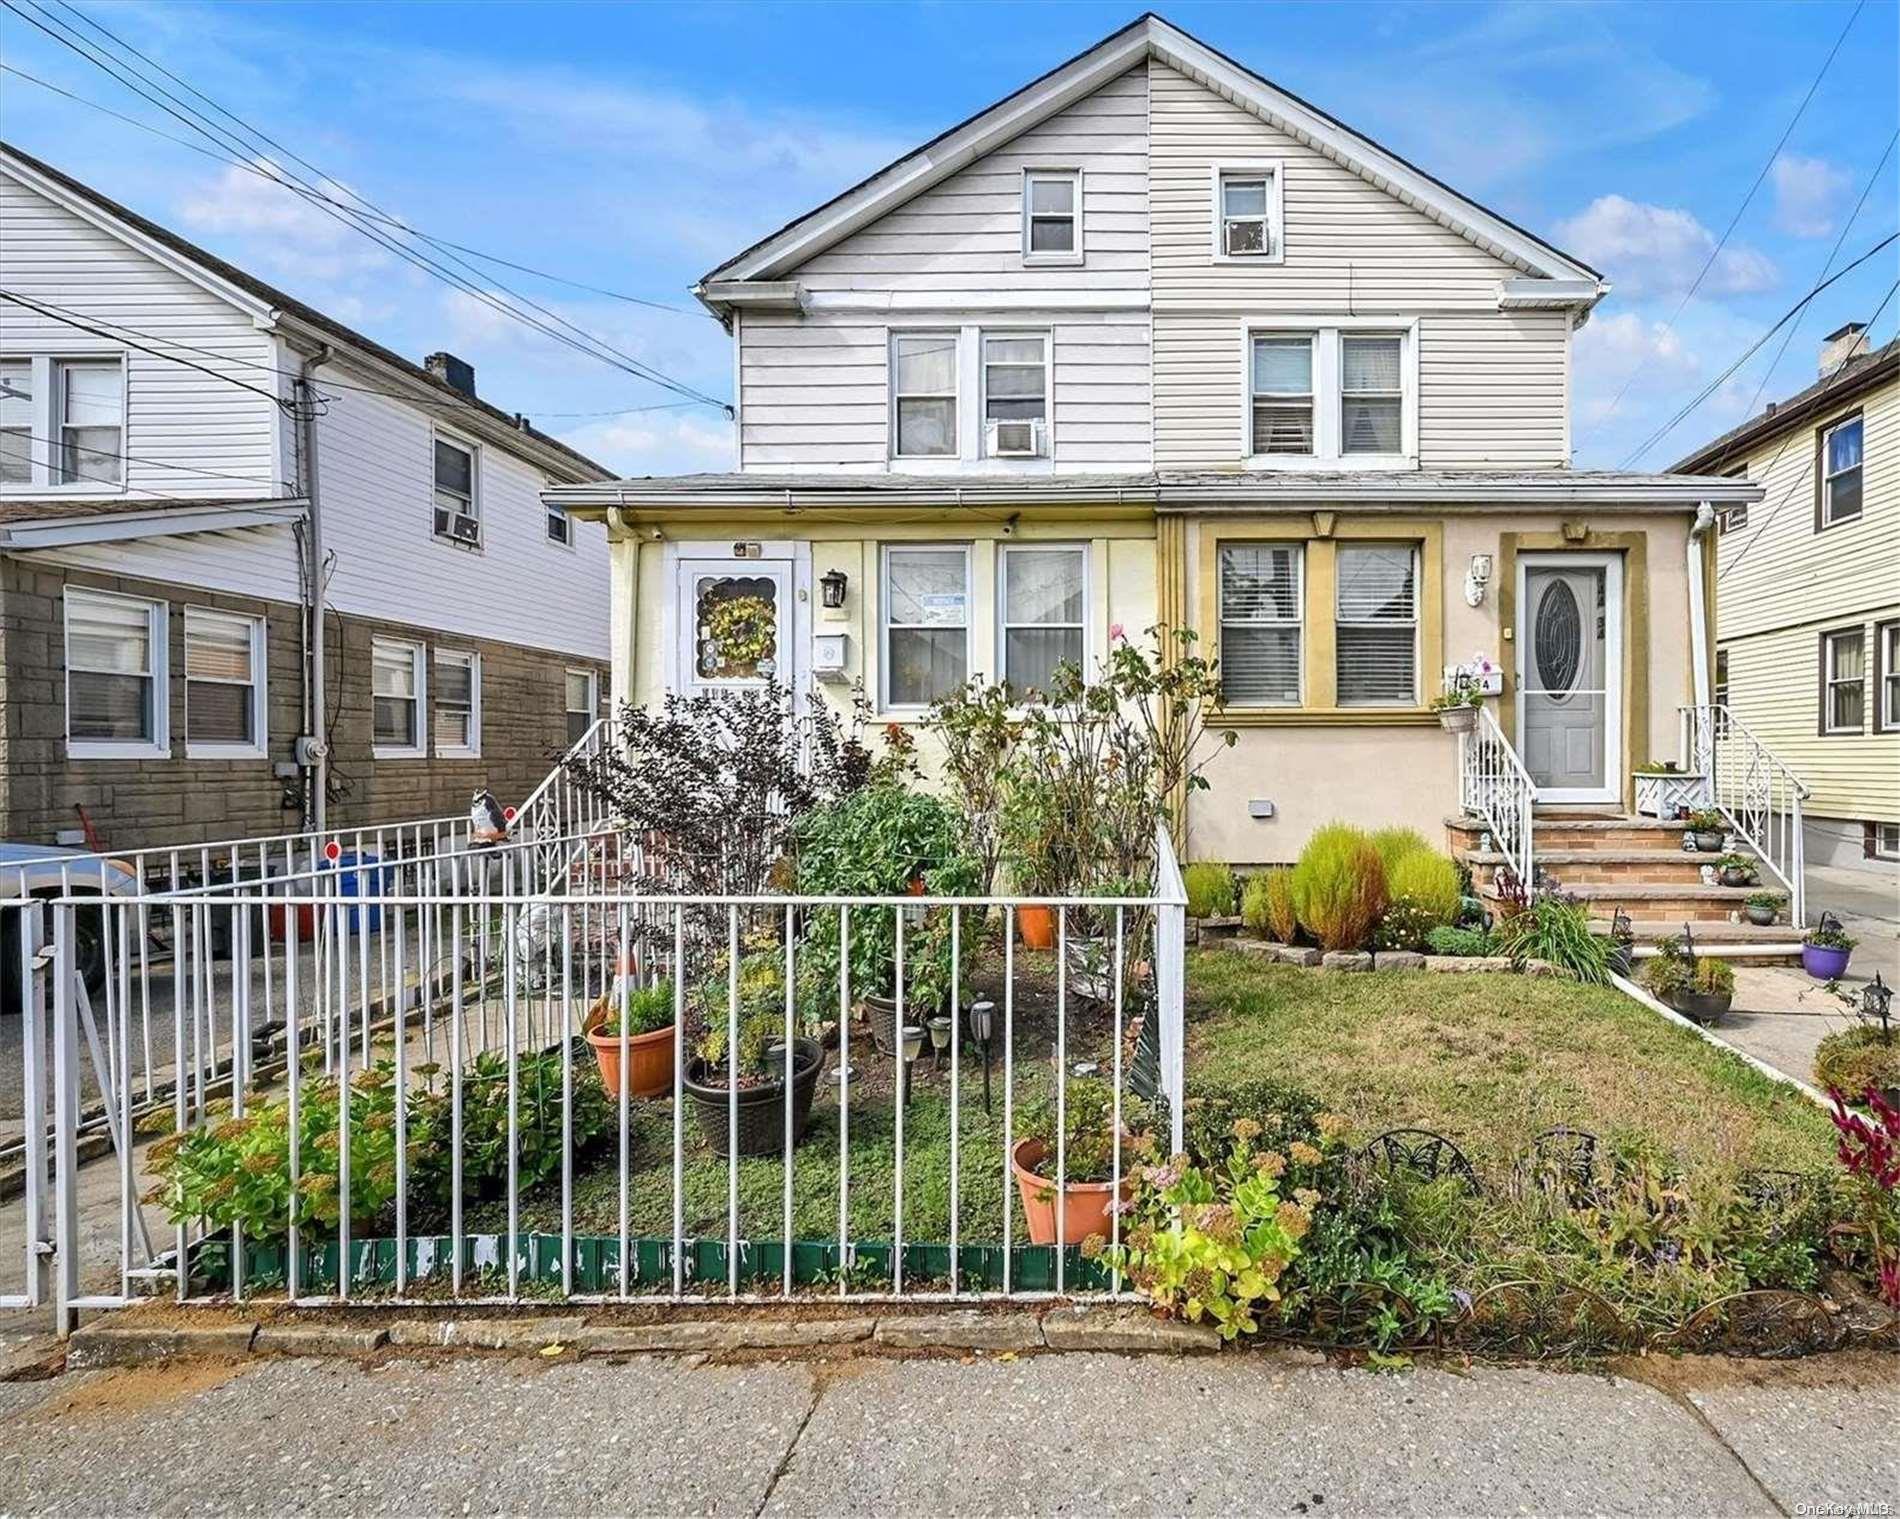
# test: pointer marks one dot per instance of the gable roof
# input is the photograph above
(249, 292)
(1856, 377)
(1148, 36)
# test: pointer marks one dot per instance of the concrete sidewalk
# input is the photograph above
(1077, 1434)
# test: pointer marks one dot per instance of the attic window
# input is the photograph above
(1247, 213)
(1052, 216)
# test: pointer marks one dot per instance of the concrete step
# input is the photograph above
(1567, 832)
(1776, 945)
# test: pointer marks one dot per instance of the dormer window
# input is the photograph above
(1052, 216)
(1247, 213)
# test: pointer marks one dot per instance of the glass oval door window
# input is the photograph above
(1559, 642)
(737, 627)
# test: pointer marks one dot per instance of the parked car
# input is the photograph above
(37, 872)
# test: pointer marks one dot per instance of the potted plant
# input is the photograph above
(1710, 990)
(1457, 707)
(1029, 827)
(757, 1068)
(645, 1018)
(1763, 908)
(1825, 949)
(1735, 870)
(1664, 791)
(1707, 828)
(1088, 1160)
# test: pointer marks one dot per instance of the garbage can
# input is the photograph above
(361, 874)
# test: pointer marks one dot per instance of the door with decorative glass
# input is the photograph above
(1570, 675)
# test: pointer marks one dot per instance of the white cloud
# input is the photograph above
(296, 236)
(1809, 194)
(659, 443)
(1656, 250)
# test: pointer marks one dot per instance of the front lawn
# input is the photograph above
(1491, 1061)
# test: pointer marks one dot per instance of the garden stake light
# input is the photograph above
(939, 1041)
(911, 1046)
(982, 1024)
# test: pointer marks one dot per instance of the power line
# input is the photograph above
(1768, 469)
(186, 469)
(251, 168)
(1735, 220)
(54, 504)
(581, 340)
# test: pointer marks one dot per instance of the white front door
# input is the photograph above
(1570, 674)
(736, 624)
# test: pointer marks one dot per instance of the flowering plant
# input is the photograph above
(1869, 1148)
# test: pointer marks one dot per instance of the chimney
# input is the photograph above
(451, 371)
(1844, 343)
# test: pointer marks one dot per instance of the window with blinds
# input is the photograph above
(1260, 591)
(457, 703)
(926, 619)
(924, 394)
(1376, 632)
(581, 685)
(224, 657)
(115, 659)
(17, 427)
(1282, 395)
(1371, 391)
(396, 698)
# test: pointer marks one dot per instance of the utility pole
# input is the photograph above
(317, 758)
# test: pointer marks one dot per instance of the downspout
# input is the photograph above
(1698, 604)
(316, 758)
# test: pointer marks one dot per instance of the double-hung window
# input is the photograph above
(1261, 592)
(1247, 216)
(926, 622)
(924, 395)
(1042, 601)
(457, 509)
(1371, 394)
(224, 684)
(1282, 394)
(1887, 689)
(115, 677)
(560, 526)
(458, 704)
(1376, 629)
(1843, 681)
(582, 686)
(18, 424)
(1015, 391)
(91, 422)
(1840, 465)
(396, 697)
(1052, 216)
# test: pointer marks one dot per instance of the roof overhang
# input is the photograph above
(775, 256)
(56, 532)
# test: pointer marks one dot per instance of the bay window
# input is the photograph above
(1042, 605)
(1261, 597)
(925, 630)
(115, 676)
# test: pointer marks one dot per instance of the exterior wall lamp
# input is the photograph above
(831, 588)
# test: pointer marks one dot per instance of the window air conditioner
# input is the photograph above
(1016, 440)
(459, 526)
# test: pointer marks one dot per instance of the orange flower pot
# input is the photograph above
(1085, 1208)
(649, 1057)
(1037, 925)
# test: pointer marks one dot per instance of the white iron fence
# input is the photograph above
(1494, 785)
(345, 1074)
(1758, 796)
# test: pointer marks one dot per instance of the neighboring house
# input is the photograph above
(156, 575)
(1808, 604)
(1152, 340)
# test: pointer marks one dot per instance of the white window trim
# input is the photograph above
(1828, 519)
(884, 702)
(567, 517)
(1274, 171)
(44, 432)
(1298, 620)
(419, 662)
(473, 748)
(1327, 400)
(592, 677)
(474, 452)
(1418, 683)
(1882, 849)
(1074, 176)
(1047, 338)
(1887, 666)
(260, 702)
(955, 393)
(158, 622)
(1829, 680)
(1003, 624)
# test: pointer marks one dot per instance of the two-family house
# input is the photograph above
(258, 572)
(1152, 340)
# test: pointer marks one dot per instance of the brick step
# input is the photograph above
(1696, 904)
(1608, 867)
(1583, 833)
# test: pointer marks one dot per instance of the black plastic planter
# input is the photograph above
(761, 1107)
(1705, 1008)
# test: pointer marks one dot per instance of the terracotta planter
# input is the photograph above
(1037, 925)
(1085, 1203)
(649, 1057)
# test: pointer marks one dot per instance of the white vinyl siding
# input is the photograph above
(1042, 601)
(225, 706)
(1376, 630)
(398, 700)
(924, 631)
(116, 697)
(1262, 592)
(458, 704)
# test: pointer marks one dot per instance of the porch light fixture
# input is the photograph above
(831, 587)
(1477, 577)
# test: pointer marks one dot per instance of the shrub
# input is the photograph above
(1211, 889)
(1267, 905)
(1339, 887)
(1713, 978)
(1405, 926)
(1394, 844)
(1427, 880)
(1458, 941)
(1557, 930)
(1284, 1113)
(1854, 1061)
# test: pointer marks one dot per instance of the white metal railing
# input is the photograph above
(459, 986)
(1756, 793)
(1494, 785)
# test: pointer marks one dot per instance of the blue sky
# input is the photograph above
(633, 147)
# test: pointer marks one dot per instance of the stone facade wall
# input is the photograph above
(135, 803)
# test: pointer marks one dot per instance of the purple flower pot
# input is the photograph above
(1824, 963)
